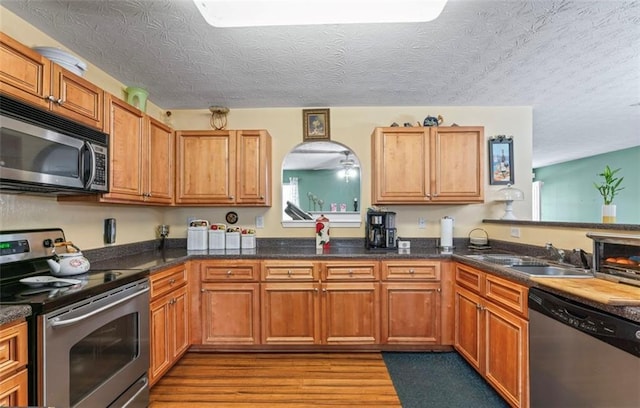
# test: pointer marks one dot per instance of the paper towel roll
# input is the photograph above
(446, 232)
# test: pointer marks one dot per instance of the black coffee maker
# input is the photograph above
(380, 230)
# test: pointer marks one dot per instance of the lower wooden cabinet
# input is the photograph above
(229, 302)
(13, 364)
(411, 302)
(230, 313)
(333, 303)
(168, 320)
(492, 332)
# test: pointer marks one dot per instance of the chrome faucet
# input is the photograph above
(558, 254)
(583, 258)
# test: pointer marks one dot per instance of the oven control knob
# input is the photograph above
(47, 243)
(638, 335)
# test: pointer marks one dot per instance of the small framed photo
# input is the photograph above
(316, 124)
(501, 160)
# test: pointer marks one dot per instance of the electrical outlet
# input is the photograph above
(422, 223)
(259, 221)
(515, 232)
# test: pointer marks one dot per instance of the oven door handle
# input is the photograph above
(59, 323)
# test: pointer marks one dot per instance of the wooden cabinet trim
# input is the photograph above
(229, 271)
(13, 347)
(507, 294)
(411, 270)
(350, 270)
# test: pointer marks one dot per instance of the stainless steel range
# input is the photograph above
(89, 336)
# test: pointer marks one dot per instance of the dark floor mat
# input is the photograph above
(439, 380)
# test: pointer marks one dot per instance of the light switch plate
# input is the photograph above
(515, 232)
(422, 223)
(259, 221)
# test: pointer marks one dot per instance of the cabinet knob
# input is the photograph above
(428, 195)
(59, 101)
(315, 290)
(478, 307)
(289, 272)
(411, 271)
(229, 273)
(262, 197)
(324, 289)
(438, 290)
(172, 281)
(231, 197)
(350, 272)
(202, 290)
(50, 98)
(435, 194)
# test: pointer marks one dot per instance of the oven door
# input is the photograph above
(96, 352)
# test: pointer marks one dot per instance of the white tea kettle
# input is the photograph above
(70, 263)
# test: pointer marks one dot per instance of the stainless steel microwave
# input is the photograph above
(43, 153)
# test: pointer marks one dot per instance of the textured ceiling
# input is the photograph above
(577, 63)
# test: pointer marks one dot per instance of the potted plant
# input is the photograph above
(608, 189)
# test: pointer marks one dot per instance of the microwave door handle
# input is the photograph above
(92, 165)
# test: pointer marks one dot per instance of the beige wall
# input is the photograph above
(352, 126)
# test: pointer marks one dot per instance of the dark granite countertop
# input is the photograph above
(9, 314)
(153, 259)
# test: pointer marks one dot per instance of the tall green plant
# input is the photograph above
(610, 186)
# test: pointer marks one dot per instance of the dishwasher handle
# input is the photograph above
(57, 322)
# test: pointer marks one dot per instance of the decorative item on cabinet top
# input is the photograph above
(218, 119)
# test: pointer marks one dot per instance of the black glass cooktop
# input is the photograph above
(53, 295)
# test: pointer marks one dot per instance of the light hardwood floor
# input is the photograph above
(276, 380)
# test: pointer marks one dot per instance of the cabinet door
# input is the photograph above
(160, 339)
(206, 167)
(77, 98)
(506, 354)
(179, 322)
(24, 73)
(230, 313)
(411, 313)
(468, 321)
(126, 133)
(350, 313)
(458, 165)
(400, 165)
(290, 313)
(158, 158)
(253, 167)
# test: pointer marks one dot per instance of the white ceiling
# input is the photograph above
(576, 62)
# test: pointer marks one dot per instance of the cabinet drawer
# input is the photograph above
(13, 390)
(507, 294)
(229, 271)
(13, 347)
(167, 280)
(288, 271)
(469, 278)
(350, 271)
(421, 271)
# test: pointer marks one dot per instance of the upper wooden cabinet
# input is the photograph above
(224, 167)
(141, 158)
(29, 76)
(428, 165)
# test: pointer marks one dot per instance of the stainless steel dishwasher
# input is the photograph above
(580, 356)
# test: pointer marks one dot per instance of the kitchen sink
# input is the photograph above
(508, 259)
(552, 271)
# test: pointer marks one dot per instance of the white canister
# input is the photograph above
(197, 235)
(217, 239)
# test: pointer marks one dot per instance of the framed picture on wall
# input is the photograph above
(501, 160)
(316, 124)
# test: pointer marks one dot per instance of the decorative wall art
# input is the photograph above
(501, 160)
(316, 124)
